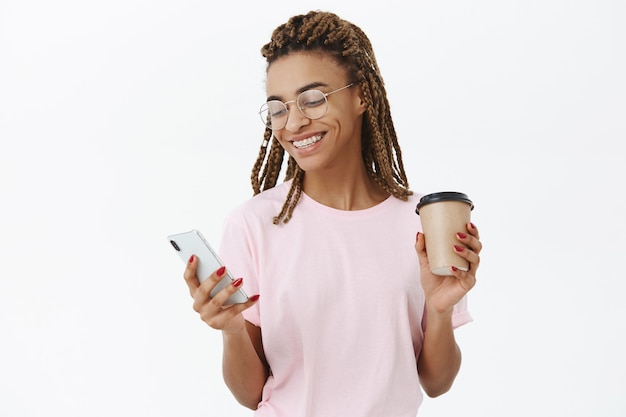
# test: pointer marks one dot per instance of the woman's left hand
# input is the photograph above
(443, 292)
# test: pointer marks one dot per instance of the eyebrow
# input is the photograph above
(302, 89)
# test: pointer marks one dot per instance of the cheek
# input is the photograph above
(285, 145)
(277, 137)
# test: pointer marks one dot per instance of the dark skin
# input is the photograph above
(244, 364)
(329, 150)
(440, 358)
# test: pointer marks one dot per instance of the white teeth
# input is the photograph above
(307, 142)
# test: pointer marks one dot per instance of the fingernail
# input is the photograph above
(254, 297)
(221, 271)
(238, 282)
(454, 268)
(472, 225)
(191, 259)
(458, 248)
(461, 235)
(417, 236)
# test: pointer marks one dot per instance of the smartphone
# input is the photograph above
(193, 243)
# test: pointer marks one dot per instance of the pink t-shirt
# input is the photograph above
(341, 304)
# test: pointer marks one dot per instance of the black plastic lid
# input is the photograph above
(443, 196)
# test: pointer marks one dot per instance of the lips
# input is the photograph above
(305, 143)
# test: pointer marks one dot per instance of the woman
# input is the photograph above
(345, 319)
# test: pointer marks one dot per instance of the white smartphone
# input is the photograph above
(193, 243)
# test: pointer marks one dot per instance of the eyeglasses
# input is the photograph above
(311, 103)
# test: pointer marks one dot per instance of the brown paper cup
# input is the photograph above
(443, 215)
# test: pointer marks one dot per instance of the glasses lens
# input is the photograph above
(273, 114)
(313, 104)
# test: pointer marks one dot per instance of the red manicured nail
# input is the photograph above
(454, 268)
(254, 297)
(458, 248)
(238, 282)
(221, 271)
(472, 225)
(461, 235)
(191, 259)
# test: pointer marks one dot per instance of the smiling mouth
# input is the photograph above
(305, 143)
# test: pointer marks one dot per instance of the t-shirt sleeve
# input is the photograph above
(237, 254)
(460, 314)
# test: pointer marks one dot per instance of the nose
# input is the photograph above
(295, 118)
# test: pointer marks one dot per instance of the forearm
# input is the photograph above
(440, 358)
(244, 372)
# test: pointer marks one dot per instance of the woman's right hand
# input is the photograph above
(212, 310)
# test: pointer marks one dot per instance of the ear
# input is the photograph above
(361, 105)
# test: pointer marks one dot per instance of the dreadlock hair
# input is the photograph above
(324, 32)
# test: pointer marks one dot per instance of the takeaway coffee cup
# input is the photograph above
(443, 215)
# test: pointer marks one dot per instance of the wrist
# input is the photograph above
(234, 331)
(435, 316)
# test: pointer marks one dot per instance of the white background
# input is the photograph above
(124, 121)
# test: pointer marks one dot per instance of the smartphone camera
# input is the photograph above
(175, 245)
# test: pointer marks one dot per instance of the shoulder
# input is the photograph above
(275, 196)
(411, 201)
(264, 205)
(399, 214)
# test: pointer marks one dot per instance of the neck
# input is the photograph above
(344, 189)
